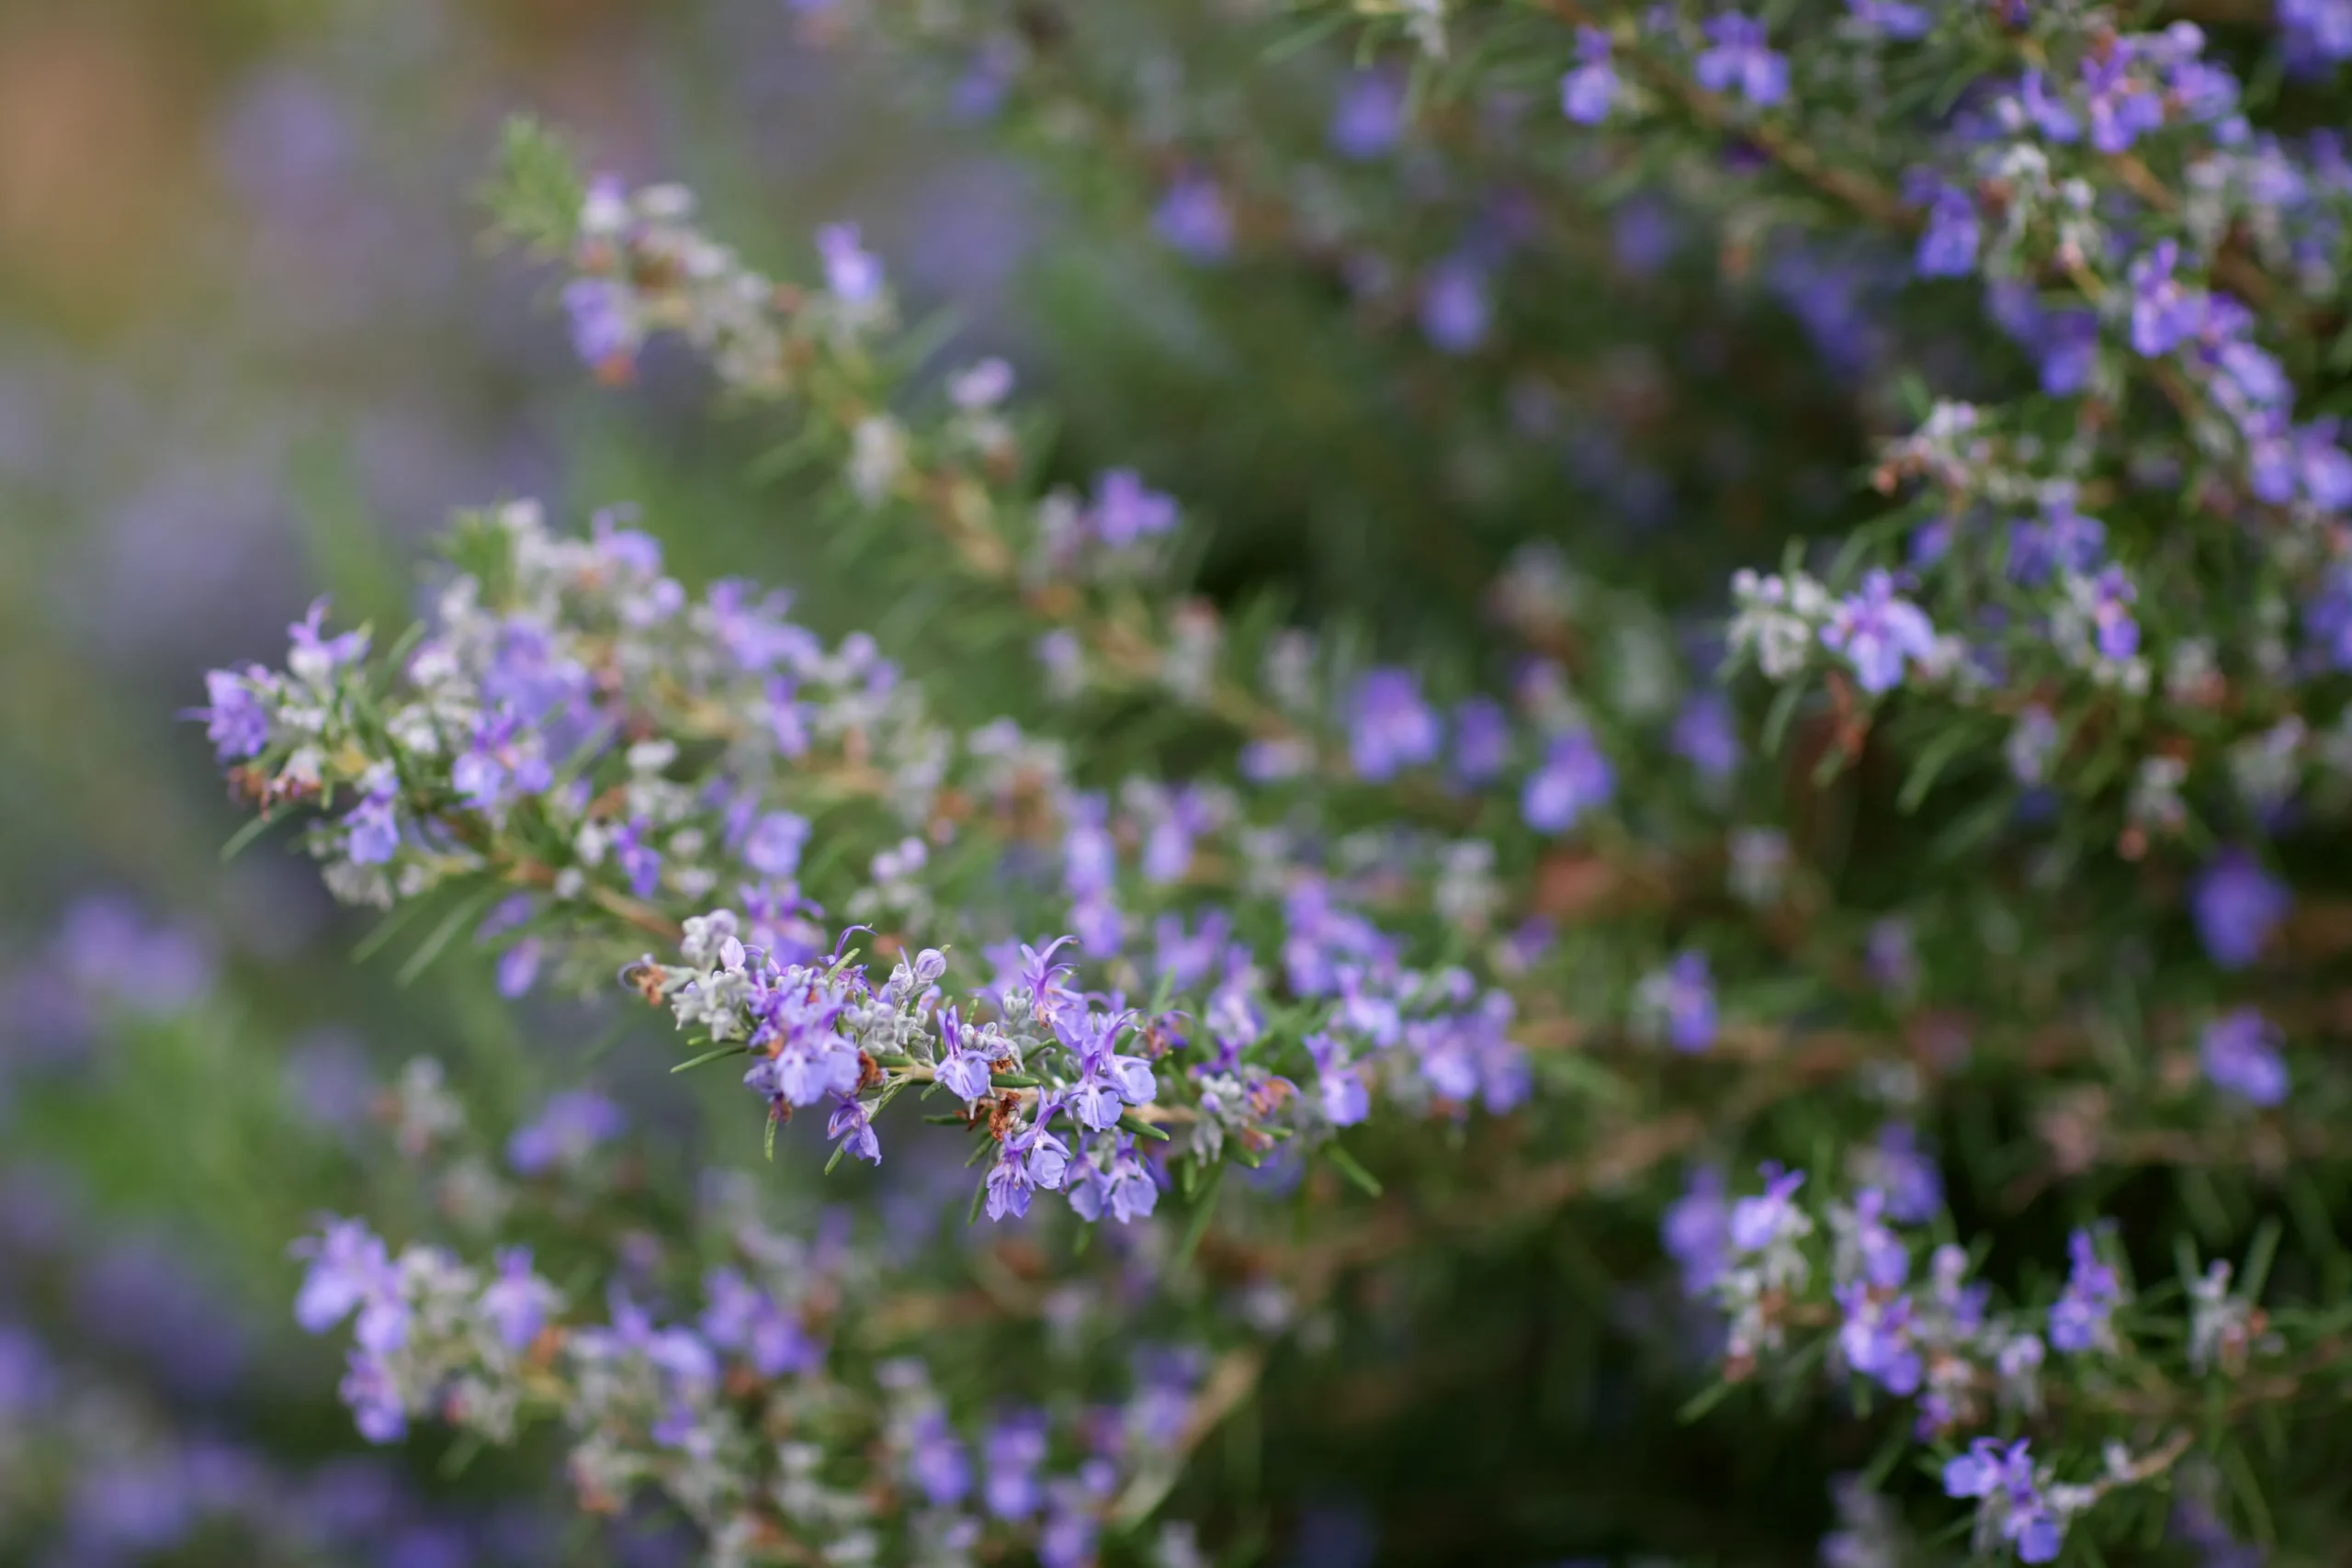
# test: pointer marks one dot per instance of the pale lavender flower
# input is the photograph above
(1697, 1229)
(1706, 736)
(773, 846)
(1589, 92)
(2240, 1052)
(1194, 219)
(1738, 58)
(2079, 1319)
(1127, 511)
(236, 720)
(1369, 117)
(517, 1301)
(1574, 778)
(1481, 740)
(2237, 904)
(570, 1128)
(852, 274)
(1455, 310)
(850, 1127)
(1877, 630)
(1390, 728)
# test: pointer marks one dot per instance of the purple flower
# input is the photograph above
(518, 968)
(2079, 1318)
(1740, 59)
(1757, 1223)
(1194, 219)
(517, 1301)
(772, 846)
(1877, 630)
(850, 1127)
(373, 825)
(2011, 1502)
(1481, 740)
(1455, 312)
(747, 1321)
(1948, 244)
(809, 1056)
(377, 1409)
(2065, 541)
(937, 1461)
(349, 1267)
(1589, 92)
(1891, 18)
(1705, 737)
(1885, 1263)
(237, 720)
(2165, 312)
(1340, 1085)
(1889, 955)
(2236, 905)
(1696, 1229)
(2239, 1050)
(1914, 1187)
(570, 1127)
(852, 274)
(1013, 1453)
(1681, 998)
(604, 324)
(963, 1071)
(2050, 115)
(1369, 117)
(2122, 107)
(1390, 728)
(1875, 1338)
(1575, 778)
(639, 861)
(1127, 511)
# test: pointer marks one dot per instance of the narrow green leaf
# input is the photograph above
(1347, 1165)
(243, 837)
(711, 1056)
(454, 921)
(1203, 1208)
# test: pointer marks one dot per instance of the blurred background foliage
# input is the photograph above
(252, 349)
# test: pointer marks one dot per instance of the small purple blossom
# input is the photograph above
(1574, 778)
(1390, 727)
(517, 1301)
(1369, 117)
(852, 274)
(1194, 219)
(2165, 312)
(773, 846)
(1740, 59)
(850, 1127)
(604, 331)
(1706, 737)
(570, 1127)
(2079, 1318)
(1877, 630)
(1127, 511)
(1947, 245)
(1481, 740)
(1682, 999)
(2240, 1052)
(236, 720)
(1697, 1229)
(1455, 310)
(1589, 92)
(2237, 904)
